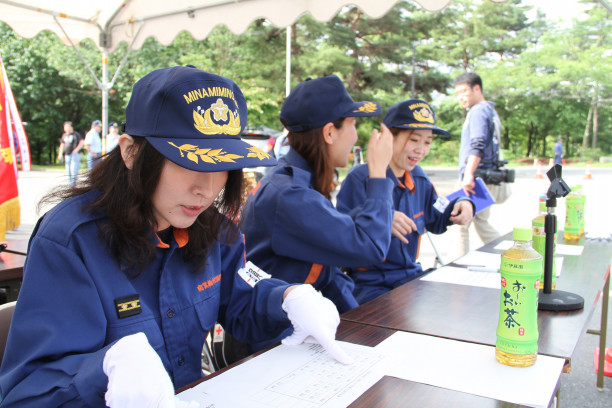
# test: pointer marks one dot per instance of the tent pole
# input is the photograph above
(105, 88)
(288, 63)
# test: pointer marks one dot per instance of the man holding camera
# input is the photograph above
(479, 155)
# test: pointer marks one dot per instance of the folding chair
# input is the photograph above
(6, 315)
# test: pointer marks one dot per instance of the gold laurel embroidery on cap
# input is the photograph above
(256, 152)
(204, 123)
(424, 115)
(417, 125)
(206, 155)
(368, 107)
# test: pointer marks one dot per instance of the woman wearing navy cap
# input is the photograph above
(292, 229)
(413, 124)
(127, 274)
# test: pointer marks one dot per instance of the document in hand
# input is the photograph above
(482, 198)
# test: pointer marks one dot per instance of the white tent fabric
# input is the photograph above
(109, 22)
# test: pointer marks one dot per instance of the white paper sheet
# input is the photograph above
(306, 376)
(479, 258)
(471, 368)
(563, 249)
(303, 376)
(502, 246)
(483, 277)
(463, 276)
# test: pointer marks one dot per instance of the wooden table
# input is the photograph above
(16, 246)
(11, 272)
(471, 314)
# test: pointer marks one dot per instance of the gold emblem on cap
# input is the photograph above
(204, 123)
(256, 152)
(424, 115)
(211, 156)
(367, 107)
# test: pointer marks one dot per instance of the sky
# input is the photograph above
(557, 9)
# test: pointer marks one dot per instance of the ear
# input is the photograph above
(328, 133)
(128, 149)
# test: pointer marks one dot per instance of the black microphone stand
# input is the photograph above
(557, 300)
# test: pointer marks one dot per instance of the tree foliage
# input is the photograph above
(546, 79)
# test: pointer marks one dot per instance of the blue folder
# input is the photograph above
(482, 198)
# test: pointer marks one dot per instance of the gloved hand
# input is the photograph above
(136, 375)
(314, 319)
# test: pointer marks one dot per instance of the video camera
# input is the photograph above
(498, 175)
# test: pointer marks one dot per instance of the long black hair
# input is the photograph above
(125, 196)
(312, 147)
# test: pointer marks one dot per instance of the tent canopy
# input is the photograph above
(110, 22)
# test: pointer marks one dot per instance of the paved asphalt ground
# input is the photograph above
(578, 388)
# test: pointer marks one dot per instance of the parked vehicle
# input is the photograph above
(263, 138)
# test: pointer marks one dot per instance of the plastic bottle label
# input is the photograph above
(573, 215)
(539, 244)
(517, 331)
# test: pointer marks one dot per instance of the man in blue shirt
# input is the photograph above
(559, 151)
(480, 144)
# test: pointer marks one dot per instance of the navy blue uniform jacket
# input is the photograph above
(296, 234)
(66, 317)
(414, 196)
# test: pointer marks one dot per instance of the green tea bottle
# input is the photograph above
(573, 203)
(517, 330)
(581, 208)
(539, 240)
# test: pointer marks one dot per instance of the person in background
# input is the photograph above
(415, 201)
(128, 273)
(70, 146)
(479, 150)
(93, 144)
(292, 229)
(559, 151)
(281, 147)
(112, 138)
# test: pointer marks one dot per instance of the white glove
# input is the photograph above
(186, 404)
(314, 319)
(136, 375)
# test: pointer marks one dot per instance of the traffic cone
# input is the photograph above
(539, 174)
(588, 172)
(607, 361)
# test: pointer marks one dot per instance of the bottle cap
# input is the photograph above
(521, 234)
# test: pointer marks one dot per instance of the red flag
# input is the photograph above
(10, 211)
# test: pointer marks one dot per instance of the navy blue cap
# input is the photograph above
(96, 123)
(315, 102)
(412, 114)
(194, 119)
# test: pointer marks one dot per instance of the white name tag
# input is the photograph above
(441, 204)
(251, 274)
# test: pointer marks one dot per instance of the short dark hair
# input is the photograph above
(470, 78)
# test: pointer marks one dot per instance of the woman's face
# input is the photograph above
(343, 141)
(410, 146)
(182, 195)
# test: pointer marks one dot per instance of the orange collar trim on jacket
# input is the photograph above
(180, 235)
(408, 182)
